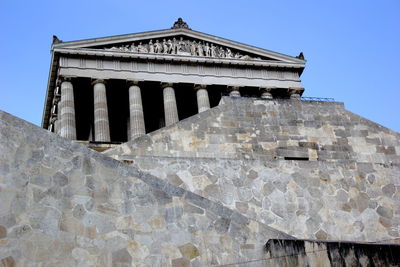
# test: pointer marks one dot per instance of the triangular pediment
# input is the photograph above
(179, 42)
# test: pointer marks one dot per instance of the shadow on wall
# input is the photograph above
(284, 252)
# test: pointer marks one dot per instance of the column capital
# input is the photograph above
(295, 92)
(234, 91)
(266, 92)
(61, 79)
(96, 81)
(132, 82)
(267, 89)
(200, 86)
(164, 85)
(233, 88)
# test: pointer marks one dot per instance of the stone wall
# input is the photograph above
(234, 154)
(62, 204)
(271, 129)
(318, 200)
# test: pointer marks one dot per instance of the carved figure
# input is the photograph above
(228, 53)
(207, 50)
(174, 46)
(221, 52)
(178, 46)
(141, 48)
(157, 47)
(193, 48)
(165, 47)
(133, 48)
(213, 51)
(124, 48)
(238, 55)
(181, 45)
(170, 46)
(200, 51)
(151, 46)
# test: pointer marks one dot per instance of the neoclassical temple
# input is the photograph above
(115, 89)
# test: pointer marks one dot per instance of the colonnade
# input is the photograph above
(65, 124)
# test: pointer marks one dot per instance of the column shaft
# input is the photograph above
(203, 101)
(101, 123)
(136, 124)
(170, 108)
(67, 124)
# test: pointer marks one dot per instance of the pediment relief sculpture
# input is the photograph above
(180, 46)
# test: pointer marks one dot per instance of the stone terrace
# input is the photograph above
(62, 204)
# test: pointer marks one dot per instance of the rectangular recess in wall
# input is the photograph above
(296, 158)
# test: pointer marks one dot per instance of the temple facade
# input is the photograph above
(115, 89)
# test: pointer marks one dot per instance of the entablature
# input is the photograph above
(160, 68)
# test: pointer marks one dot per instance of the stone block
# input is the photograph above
(3, 232)
(7, 262)
(181, 262)
(189, 251)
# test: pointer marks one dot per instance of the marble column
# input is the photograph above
(101, 123)
(203, 101)
(170, 108)
(266, 93)
(68, 124)
(234, 91)
(136, 122)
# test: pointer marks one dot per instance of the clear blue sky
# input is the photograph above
(352, 47)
